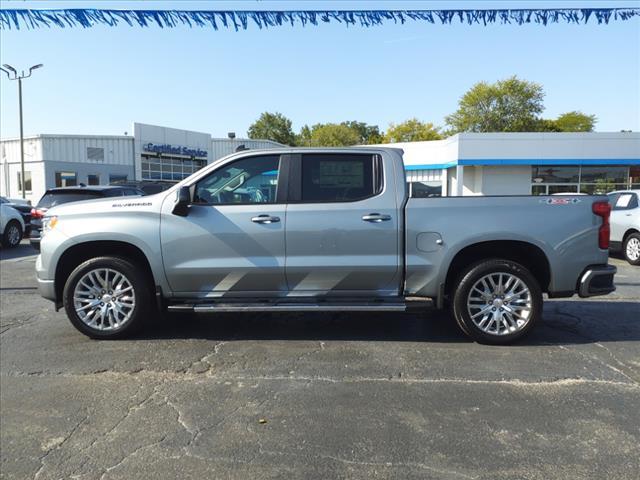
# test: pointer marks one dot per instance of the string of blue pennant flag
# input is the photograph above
(11, 19)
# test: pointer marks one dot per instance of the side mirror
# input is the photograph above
(183, 200)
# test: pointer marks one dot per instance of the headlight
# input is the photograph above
(48, 223)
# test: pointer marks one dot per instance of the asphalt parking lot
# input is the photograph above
(319, 395)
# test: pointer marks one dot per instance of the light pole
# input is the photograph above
(9, 70)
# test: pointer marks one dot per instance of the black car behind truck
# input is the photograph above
(58, 196)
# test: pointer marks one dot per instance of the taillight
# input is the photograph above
(603, 210)
(35, 213)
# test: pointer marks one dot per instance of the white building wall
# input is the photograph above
(37, 171)
(506, 180)
(434, 152)
(117, 150)
(548, 146)
(10, 166)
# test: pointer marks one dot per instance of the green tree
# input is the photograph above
(369, 134)
(303, 139)
(412, 130)
(510, 105)
(273, 126)
(575, 122)
(332, 135)
(545, 125)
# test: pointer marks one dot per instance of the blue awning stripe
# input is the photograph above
(525, 162)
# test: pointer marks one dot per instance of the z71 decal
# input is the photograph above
(561, 201)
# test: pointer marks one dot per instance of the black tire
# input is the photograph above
(141, 287)
(9, 237)
(461, 311)
(635, 238)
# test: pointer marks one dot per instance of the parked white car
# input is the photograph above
(11, 226)
(625, 224)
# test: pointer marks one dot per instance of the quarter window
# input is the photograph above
(625, 201)
(330, 178)
(246, 181)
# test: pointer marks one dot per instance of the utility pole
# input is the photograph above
(8, 69)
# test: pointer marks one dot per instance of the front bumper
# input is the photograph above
(46, 287)
(597, 280)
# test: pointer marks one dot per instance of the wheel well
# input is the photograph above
(13, 220)
(629, 232)
(82, 252)
(524, 253)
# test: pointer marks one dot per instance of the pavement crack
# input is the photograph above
(205, 359)
(167, 376)
(602, 362)
(131, 454)
(58, 444)
(180, 419)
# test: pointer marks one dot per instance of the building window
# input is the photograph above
(169, 168)
(93, 179)
(555, 174)
(66, 179)
(27, 181)
(634, 176)
(425, 189)
(95, 154)
(116, 178)
(589, 179)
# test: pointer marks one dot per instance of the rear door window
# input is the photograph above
(328, 178)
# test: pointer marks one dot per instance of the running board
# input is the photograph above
(300, 307)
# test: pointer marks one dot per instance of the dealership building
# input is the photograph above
(523, 163)
(151, 153)
(464, 164)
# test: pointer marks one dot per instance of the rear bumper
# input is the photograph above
(597, 280)
(34, 238)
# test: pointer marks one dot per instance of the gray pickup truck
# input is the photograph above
(320, 230)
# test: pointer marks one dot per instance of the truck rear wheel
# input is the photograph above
(107, 298)
(497, 301)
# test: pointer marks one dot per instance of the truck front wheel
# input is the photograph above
(107, 297)
(497, 301)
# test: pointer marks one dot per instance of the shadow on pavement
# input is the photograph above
(23, 250)
(563, 322)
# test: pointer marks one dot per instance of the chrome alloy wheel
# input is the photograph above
(500, 304)
(633, 249)
(13, 234)
(104, 299)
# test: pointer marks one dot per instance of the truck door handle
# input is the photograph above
(376, 217)
(265, 219)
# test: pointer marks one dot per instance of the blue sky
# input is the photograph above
(98, 81)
